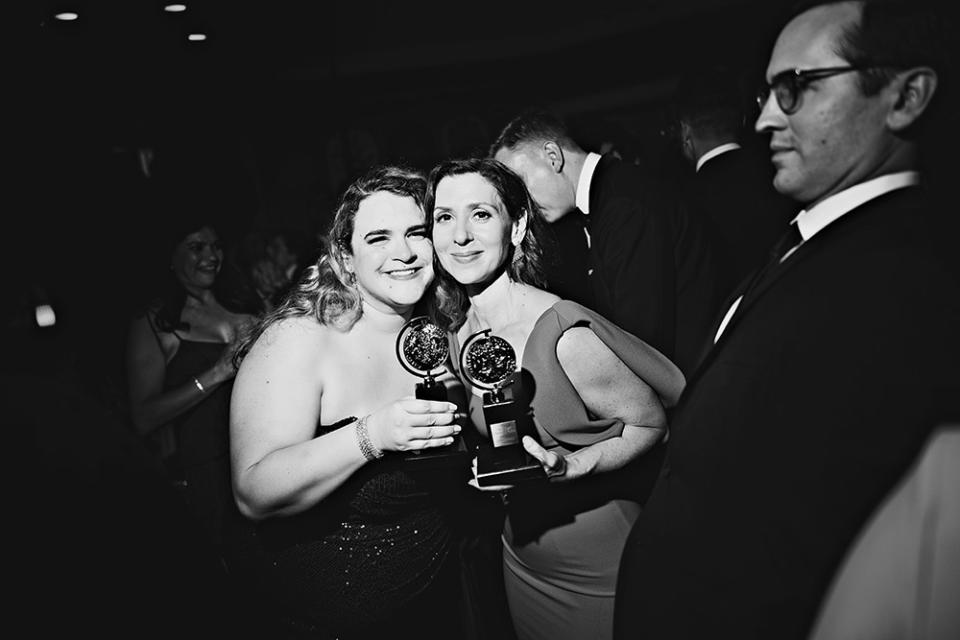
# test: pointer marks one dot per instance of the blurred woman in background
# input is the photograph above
(180, 368)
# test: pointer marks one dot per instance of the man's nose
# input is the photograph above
(771, 116)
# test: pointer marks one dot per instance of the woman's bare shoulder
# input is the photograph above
(300, 336)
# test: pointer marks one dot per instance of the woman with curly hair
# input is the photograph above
(352, 540)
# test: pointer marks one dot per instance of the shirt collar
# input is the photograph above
(813, 221)
(713, 153)
(583, 184)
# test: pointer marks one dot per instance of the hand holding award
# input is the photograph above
(422, 349)
(489, 362)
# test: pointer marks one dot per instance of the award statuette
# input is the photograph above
(422, 349)
(489, 363)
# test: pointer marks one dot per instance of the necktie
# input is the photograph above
(788, 241)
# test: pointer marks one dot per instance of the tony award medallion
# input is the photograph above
(422, 349)
(489, 363)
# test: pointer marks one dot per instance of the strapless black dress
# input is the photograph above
(374, 559)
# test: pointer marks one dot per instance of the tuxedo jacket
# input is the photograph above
(652, 265)
(733, 195)
(812, 404)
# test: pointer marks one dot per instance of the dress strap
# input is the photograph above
(153, 329)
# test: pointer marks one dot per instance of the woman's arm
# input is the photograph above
(609, 389)
(150, 405)
(279, 466)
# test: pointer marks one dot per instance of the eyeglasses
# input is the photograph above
(788, 86)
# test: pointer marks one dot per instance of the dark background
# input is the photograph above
(286, 101)
(266, 121)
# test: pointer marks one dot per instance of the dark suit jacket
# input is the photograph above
(653, 271)
(815, 400)
(733, 196)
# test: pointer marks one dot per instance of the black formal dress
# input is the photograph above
(813, 403)
(202, 458)
(375, 559)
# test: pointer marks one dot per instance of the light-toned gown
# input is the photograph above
(562, 542)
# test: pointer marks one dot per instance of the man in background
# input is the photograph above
(649, 264)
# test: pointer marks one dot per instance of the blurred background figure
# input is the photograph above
(730, 188)
(267, 266)
(180, 360)
(97, 503)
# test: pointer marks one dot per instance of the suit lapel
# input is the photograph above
(807, 251)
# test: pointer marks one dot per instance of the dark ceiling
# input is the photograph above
(348, 58)
(286, 100)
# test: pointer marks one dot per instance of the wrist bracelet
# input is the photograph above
(196, 381)
(369, 451)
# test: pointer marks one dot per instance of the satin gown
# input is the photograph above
(562, 542)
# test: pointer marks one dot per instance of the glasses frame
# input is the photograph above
(793, 82)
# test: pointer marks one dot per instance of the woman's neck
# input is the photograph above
(496, 305)
(383, 320)
(198, 298)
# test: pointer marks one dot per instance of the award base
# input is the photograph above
(504, 460)
(506, 465)
(451, 455)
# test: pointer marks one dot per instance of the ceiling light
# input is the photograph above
(175, 8)
(66, 15)
(197, 37)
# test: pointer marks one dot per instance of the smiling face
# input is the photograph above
(197, 259)
(391, 255)
(837, 138)
(473, 232)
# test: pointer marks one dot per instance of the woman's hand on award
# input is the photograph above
(554, 464)
(410, 424)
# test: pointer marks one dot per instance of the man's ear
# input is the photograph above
(915, 88)
(519, 229)
(554, 155)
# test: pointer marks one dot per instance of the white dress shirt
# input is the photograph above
(812, 221)
(713, 153)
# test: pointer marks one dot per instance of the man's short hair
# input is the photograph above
(891, 35)
(532, 125)
(710, 101)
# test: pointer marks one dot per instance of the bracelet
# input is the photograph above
(196, 381)
(369, 451)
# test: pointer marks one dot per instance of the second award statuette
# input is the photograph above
(422, 348)
(489, 363)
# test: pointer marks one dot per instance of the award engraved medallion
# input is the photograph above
(422, 349)
(489, 363)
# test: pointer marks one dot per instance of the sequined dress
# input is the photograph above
(374, 559)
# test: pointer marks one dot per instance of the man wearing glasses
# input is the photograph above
(836, 363)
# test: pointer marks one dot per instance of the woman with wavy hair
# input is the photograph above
(597, 400)
(352, 541)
